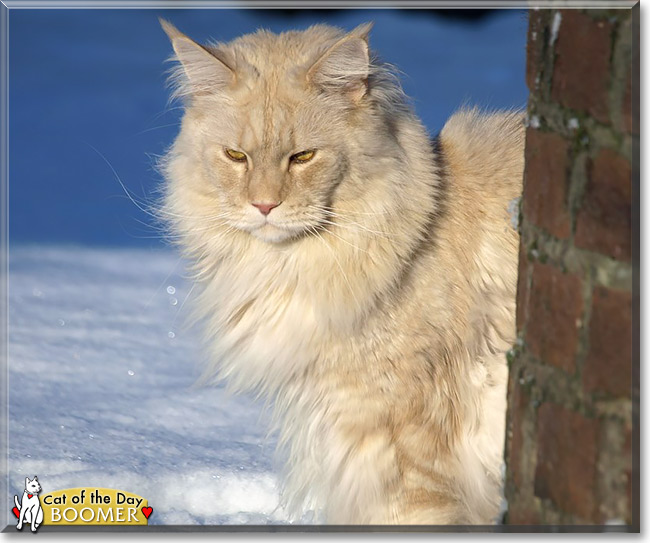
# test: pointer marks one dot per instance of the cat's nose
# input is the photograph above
(265, 208)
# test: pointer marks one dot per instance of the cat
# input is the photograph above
(355, 274)
(30, 510)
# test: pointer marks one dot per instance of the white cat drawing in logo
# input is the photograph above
(29, 509)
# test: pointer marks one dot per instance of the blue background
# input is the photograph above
(88, 96)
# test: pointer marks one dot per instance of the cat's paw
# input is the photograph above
(33, 527)
(19, 526)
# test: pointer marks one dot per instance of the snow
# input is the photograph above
(513, 211)
(534, 122)
(101, 395)
(555, 27)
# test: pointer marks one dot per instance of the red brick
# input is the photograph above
(604, 222)
(631, 97)
(546, 182)
(520, 512)
(627, 106)
(632, 79)
(567, 460)
(554, 316)
(608, 365)
(581, 72)
(522, 288)
(631, 473)
(518, 404)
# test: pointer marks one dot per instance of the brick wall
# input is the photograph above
(573, 391)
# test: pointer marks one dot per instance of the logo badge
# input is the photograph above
(28, 509)
(80, 506)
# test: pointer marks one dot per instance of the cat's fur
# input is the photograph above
(30, 505)
(375, 304)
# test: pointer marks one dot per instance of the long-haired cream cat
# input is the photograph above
(351, 271)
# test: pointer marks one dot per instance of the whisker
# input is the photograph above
(225, 214)
(164, 232)
(342, 239)
(164, 281)
(154, 211)
(345, 278)
(163, 112)
(151, 129)
(120, 181)
(360, 213)
(182, 305)
(348, 223)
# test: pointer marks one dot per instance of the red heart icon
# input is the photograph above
(146, 511)
(16, 512)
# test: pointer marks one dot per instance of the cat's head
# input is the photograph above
(278, 128)
(33, 486)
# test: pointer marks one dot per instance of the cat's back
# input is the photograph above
(481, 167)
(484, 152)
(481, 164)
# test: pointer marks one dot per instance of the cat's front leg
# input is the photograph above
(21, 518)
(38, 518)
(426, 507)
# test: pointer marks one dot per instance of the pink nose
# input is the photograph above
(265, 208)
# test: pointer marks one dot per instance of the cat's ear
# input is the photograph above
(27, 481)
(35, 478)
(206, 70)
(345, 66)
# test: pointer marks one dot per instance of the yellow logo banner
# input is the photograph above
(94, 506)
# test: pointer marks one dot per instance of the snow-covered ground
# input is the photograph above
(101, 391)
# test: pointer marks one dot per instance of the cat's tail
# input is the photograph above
(16, 501)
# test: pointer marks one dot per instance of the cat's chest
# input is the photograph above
(271, 317)
(263, 326)
(30, 498)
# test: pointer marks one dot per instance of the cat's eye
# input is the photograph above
(237, 156)
(303, 156)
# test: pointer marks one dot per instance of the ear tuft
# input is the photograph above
(345, 66)
(171, 31)
(203, 71)
(363, 30)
